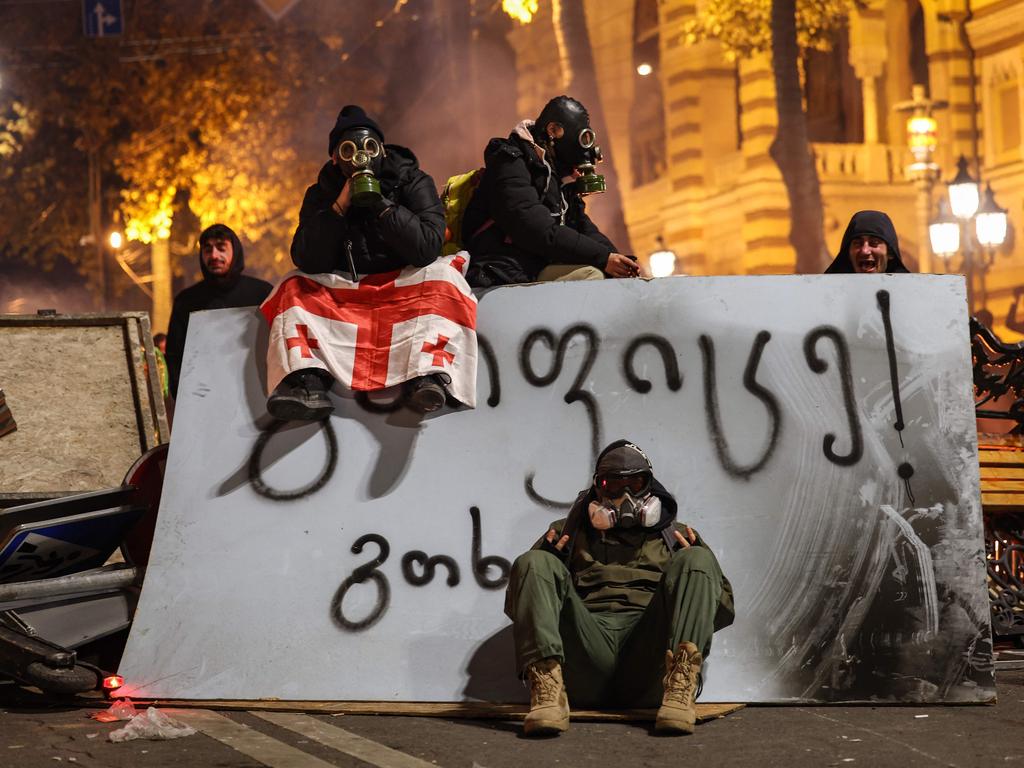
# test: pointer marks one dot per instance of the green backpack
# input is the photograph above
(455, 198)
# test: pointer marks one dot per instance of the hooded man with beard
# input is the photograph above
(869, 247)
(616, 604)
(527, 221)
(222, 261)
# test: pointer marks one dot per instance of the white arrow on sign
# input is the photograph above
(102, 18)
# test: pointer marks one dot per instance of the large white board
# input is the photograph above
(768, 406)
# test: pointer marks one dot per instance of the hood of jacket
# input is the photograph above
(874, 223)
(234, 271)
(397, 169)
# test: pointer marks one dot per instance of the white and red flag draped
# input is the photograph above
(377, 331)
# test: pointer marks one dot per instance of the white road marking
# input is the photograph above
(337, 738)
(250, 742)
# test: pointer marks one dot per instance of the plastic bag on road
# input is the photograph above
(151, 724)
(122, 709)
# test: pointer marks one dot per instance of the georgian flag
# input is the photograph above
(378, 331)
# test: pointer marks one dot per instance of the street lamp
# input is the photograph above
(922, 139)
(963, 192)
(944, 233)
(990, 221)
(663, 260)
(988, 231)
(116, 240)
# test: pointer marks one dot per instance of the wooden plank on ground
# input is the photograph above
(469, 710)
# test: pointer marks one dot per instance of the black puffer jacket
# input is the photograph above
(408, 234)
(514, 226)
(232, 290)
(868, 223)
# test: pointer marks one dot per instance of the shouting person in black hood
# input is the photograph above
(870, 246)
(526, 220)
(615, 606)
(373, 304)
(222, 261)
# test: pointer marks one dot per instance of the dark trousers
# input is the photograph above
(611, 658)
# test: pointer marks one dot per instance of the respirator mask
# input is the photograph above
(589, 181)
(624, 501)
(575, 152)
(360, 155)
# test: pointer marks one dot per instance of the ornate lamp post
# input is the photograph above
(989, 229)
(922, 138)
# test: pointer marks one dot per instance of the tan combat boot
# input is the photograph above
(677, 713)
(549, 705)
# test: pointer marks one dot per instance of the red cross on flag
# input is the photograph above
(378, 331)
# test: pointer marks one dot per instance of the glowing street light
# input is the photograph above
(116, 240)
(963, 192)
(663, 260)
(990, 221)
(944, 233)
(989, 229)
(644, 69)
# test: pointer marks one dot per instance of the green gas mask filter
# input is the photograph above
(589, 181)
(365, 185)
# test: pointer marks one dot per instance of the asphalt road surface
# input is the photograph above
(39, 733)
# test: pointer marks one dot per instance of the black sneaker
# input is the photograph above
(426, 394)
(302, 396)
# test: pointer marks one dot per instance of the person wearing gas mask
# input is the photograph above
(526, 221)
(372, 305)
(615, 606)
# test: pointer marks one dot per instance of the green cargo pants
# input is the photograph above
(611, 658)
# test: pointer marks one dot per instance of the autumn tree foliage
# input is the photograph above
(785, 29)
(199, 113)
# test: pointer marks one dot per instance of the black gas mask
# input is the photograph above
(576, 150)
(360, 156)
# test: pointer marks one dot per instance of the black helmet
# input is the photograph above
(623, 461)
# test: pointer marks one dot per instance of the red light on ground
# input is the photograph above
(112, 682)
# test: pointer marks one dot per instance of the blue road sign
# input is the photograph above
(102, 18)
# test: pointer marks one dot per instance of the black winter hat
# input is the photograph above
(351, 116)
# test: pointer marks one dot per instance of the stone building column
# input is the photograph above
(868, 54)
(766, 220)
(949, 70)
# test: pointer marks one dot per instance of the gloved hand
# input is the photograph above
(331, 180)
(555, 547)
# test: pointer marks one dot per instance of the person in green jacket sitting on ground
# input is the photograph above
(616, 604)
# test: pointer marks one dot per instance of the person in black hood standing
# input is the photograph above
(222, 261)
(526, 220)
(372, 212)
(870, 247)
(615, 606)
